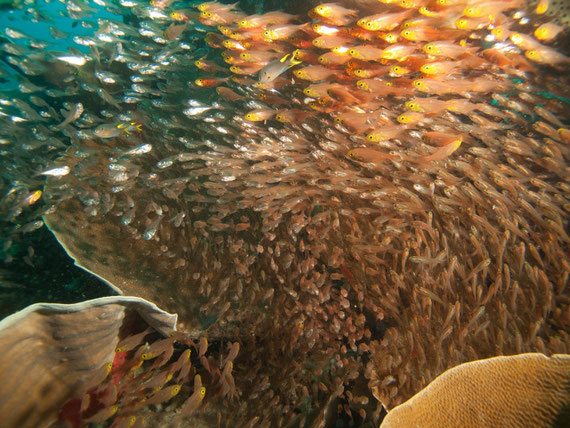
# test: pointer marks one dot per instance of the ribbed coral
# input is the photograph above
(526, 390)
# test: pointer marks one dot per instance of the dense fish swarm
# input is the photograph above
(361, 200)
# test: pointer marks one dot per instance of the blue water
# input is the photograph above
(52, 14)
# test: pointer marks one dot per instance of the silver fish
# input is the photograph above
(277, 67)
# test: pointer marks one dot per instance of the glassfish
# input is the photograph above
(333, 14)
(383, 21)
(260, 115)
(547, 32)
(442, 152)
(194, 401)
(447, 49)
(314, 73)
(544, 55)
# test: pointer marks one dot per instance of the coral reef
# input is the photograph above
(362, 199)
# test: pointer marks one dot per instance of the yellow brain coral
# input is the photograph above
(526, 390)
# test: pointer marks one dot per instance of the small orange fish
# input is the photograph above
(545, 55)
(272, 34)
(228, 94)
(386, 133)
(324, 30)
(246, 69)
(174, 31)
(471, 24)
(102, 415)
(162, 395)
(210, 82)
(155, 349)
(542, 6)
(31, 199)
(265, 20)
(333, 58)
(208, 66)
(524, 41)
(292, 116)
(440, 138)
(194, 401)
(547, 32)
(447, 49)
(255, 116)
(427, 105)
(420, 33)
(410, 117)
(489, 9)
(182, 15)
(383, 21)
(364, 154)
(314, 73)
(214, 6)
(329, 42)
(398, 52)
(442, 152)
(131, 342)
(333, 13)
(366, 53)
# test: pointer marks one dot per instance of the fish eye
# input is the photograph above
(418, 83)
(321, 59)
(338, 119)
(145, 356)
(395, 69)
(203, 391)
(368, 25)
(350, 154)
(429, 47)
(243, 22)
(370, 137)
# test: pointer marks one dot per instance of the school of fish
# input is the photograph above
(360, 198)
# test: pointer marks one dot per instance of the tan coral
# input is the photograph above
(52, 352)
(526, 390)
